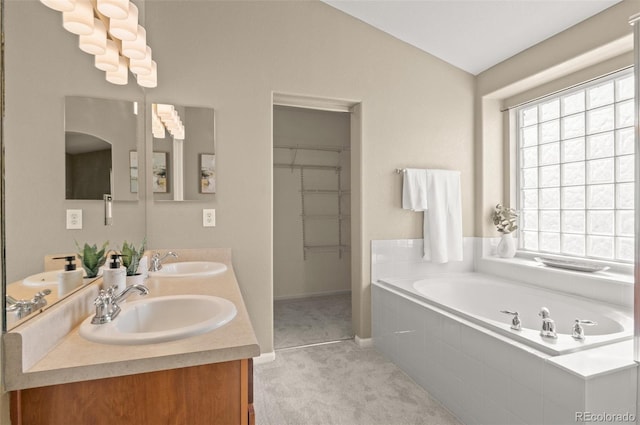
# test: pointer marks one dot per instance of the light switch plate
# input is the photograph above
(74, 219)
(208, 218)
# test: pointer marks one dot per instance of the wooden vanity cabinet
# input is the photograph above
(212, 394)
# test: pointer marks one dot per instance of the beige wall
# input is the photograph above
(592, 48)
(417, 111)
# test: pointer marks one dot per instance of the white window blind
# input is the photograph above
(576, 171)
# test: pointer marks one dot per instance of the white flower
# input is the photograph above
(505, 219)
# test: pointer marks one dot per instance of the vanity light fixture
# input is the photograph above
(117, 9)
(109, 60)
(120, 76)
(79, 20)
(142, 66)
(109, 30)
(60, 5)
(168, 117)
(96, 42)
(150, 80)
(127, 27)
(137, 48)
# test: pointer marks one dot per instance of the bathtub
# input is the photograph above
(479, 298)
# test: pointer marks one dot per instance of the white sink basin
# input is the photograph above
(42, 279)
(190, 269)
(161, 319)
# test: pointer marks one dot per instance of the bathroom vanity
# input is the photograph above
(58, 377)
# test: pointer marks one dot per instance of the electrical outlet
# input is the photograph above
(74, 219)
(208, 218)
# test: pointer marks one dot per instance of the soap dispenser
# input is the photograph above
(70, 278)
(115, 274)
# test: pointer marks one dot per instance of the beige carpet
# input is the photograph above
(312, 320)
(340, 384)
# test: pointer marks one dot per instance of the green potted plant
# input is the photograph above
(92, 258)
(506, 221)
(130, 256)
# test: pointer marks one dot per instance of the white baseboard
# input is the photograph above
(311, 295)
(363, 342)
(265, 358)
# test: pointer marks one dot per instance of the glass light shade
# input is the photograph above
(141, 66)
(109, 61)
(127, 28)
(136, 49)
(164, 110)
(179, 134)
(121, 75)
(79, 20)
(60, 5)
(114, 9)
(96, 42)
(151, 80)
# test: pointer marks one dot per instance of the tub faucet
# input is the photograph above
(156, 260)
(107, 302)
(548, 325)
(578, 330)
(516, 324)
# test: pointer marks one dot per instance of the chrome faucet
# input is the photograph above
(578, 330)
(548, 325)
(516, 324)
(26, 307)
(156, 260)
(107, 302)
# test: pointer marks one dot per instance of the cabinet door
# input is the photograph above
(216, 393)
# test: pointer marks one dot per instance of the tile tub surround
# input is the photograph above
(485, 378)
(48, 349)
(402, 258)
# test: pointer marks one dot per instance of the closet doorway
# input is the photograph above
(311, 226)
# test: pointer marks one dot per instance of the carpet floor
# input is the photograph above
(340, 384)
(311, 320)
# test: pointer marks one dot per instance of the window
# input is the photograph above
(576, 171)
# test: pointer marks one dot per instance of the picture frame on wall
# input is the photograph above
(160, 172)
(207, 173)
(133, 171)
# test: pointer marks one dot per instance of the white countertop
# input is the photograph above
(69, 358)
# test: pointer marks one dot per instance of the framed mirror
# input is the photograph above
(183, 152)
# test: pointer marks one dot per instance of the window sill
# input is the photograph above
(613, 287)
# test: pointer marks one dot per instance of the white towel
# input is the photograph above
(414, 190)
(443, 220)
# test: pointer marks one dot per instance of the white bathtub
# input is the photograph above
(479, 298)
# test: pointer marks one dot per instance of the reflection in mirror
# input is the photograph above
(87, 166)
(38, 292)
(100, 157)
(100, 137)
(183, 152)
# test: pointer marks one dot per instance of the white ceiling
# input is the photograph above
(472, 35)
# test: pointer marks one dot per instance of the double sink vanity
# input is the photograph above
(181, 354)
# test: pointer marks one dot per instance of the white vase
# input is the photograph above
(507, 246)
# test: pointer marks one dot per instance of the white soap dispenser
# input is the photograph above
(70, 278)
(115, 275)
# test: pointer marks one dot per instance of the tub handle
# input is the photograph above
(516, 324)
(578, 330)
